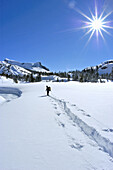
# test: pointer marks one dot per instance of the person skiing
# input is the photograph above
(48, 89)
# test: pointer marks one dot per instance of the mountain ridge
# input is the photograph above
(105, 67)
(17, 68)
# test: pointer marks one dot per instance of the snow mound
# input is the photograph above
(10, 90)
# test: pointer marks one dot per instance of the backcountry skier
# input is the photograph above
(48, 89)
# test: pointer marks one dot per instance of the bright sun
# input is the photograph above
(96, 24)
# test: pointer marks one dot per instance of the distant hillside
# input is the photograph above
(106, 67)
(103, 68)
(11, 67)
(35, 72)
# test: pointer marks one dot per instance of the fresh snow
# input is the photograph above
(2, 99)
(7, 81)
(70, 129)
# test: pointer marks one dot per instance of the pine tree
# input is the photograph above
(68, 77)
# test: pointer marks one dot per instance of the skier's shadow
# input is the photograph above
(43, 96)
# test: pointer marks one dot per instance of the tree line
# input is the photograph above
(86, 75)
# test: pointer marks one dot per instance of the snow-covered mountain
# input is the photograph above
(16, 68)
(103, 68)
(106, 67)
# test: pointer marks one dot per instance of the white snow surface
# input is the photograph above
(72, 129)
(2, 99)
(7, 81)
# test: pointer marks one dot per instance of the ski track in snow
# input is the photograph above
(80, 136)
(9, 93)
(105, 144)
(67, 124)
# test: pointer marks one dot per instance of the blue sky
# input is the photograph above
(42, 30)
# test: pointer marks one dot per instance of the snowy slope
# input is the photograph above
(103, 68)
(30, 66)
(68, 130)
(11, 67)
(106, 67)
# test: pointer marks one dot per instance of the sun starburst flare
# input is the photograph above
(96, 24)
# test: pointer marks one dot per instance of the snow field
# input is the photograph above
(31, 138)
(88, 148)
(40, 132)
(92, 102)
(88, 130)
(4, 81)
